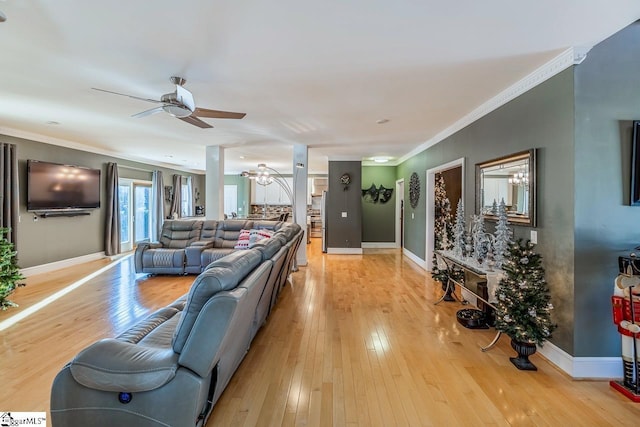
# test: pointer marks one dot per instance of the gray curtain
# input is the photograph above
(176, 203)
(157, 205)
(112, 226)
(9, 191)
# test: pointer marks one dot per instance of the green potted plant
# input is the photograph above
(523, 308)
(10, 276)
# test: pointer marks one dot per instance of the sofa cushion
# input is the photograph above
(228, 231)
(141, 329)
(180, 233)
(268, 247)
(256, 235)
(210, 255)
(215, 278)
(243, 239)
(114, 365)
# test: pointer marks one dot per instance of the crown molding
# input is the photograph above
(564, 60)
(32, 136)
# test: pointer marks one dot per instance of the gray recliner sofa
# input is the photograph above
(188, 246)
(171, 368)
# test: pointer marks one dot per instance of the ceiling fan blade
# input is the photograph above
(192, 120)
(148, 112)
(216, 114)
(128, 96)
(185, 97)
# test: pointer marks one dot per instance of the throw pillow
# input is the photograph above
(257, 235)
(243, 239)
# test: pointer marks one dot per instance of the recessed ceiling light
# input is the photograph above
(169, 156)
(382, 121)
(242, 157)
(380, 159)
(52, 123)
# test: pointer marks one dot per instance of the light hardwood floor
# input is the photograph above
(356, 341)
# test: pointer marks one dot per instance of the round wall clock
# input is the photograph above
(345, 179)
(414, 190)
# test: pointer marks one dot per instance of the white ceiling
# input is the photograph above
(317, 73)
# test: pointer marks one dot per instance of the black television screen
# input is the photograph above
(52, 186)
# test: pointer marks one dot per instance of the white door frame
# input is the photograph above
(399, 200)
(431, 184)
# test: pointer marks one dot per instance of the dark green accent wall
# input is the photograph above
(542, 118)
(344, 232)
(244, 192)
(607, 87)
(378, 219)
(55, 239)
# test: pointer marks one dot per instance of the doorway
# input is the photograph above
(454, 172)
(400, 213)
(135, 207)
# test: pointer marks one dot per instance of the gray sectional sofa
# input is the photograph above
(188, 246)
(172, 367)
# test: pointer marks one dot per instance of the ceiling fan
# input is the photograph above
(180, 104)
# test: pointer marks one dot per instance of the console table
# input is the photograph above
(490, 277)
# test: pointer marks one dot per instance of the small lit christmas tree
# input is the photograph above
(9, 271)
(442, 229)
(443, 232)
(502, 236)
(523, 309)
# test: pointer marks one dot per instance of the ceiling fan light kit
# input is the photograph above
(181, 105)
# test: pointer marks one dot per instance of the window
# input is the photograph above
(186, 205)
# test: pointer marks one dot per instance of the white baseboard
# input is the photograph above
(582, 367)
(415, 258)
(379, 245)
(46, 268)
(344, 251)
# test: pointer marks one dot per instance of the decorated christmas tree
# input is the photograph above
(479, 238)
(502, 236)
(523, 308)
(442, 229)
(459, 236)
(9, 271)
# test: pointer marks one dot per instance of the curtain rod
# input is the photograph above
(134, 168)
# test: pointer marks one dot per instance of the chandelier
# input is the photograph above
(266, 176)
(521, 179)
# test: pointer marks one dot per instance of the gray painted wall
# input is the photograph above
(607, 87)
(378, 219)
(541, 118)
(54, 239)
(344, 232)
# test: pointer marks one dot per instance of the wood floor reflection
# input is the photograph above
(356, 341)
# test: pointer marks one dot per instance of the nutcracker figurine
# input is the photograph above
(626, 315)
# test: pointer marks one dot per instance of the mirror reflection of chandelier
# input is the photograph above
(520, 179)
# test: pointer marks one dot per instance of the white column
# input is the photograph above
(214, 182)
(301, 156)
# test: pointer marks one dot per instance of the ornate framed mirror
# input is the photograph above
(512, 179)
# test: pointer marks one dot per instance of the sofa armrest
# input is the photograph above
(192, 255)
(202, 244)
(140, 248)
(113, 365)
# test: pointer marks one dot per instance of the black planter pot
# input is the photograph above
(524, 350)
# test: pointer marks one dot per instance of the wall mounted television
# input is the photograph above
(635, 164)
(56, 187)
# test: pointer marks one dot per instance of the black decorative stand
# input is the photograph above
(472, 318)
(524, 350)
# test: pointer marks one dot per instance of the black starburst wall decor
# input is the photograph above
(414, 190)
